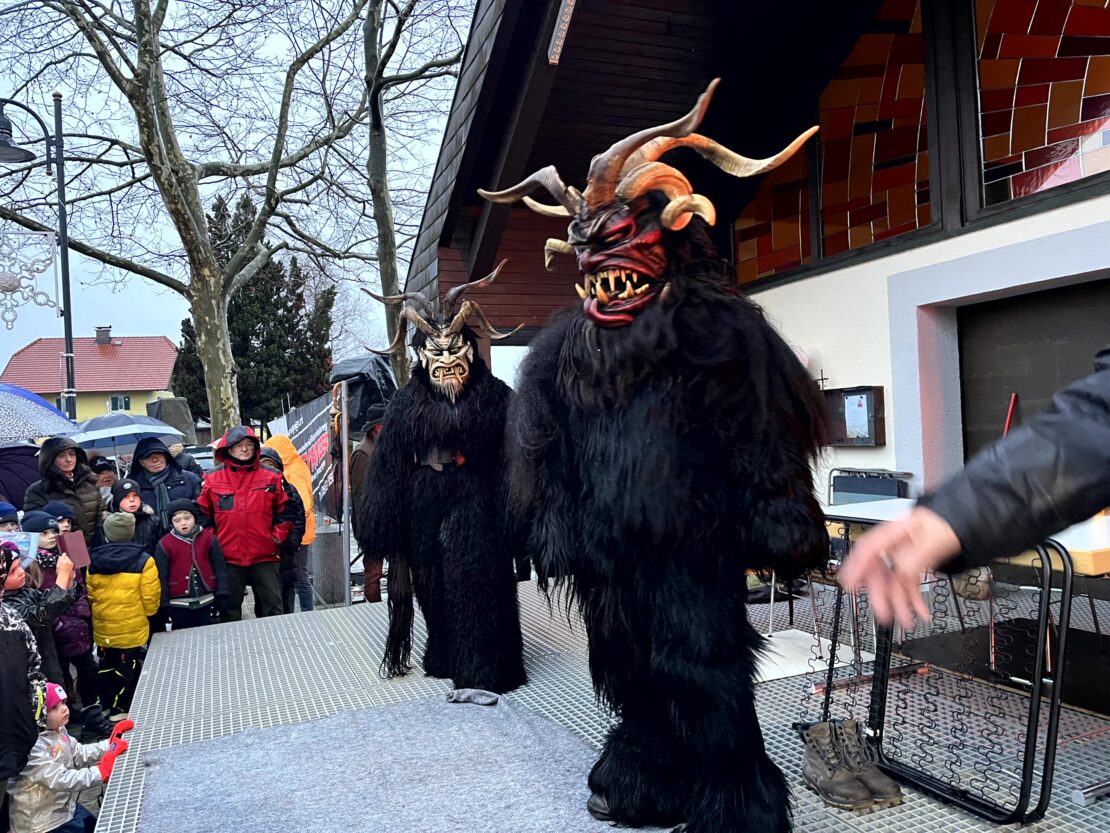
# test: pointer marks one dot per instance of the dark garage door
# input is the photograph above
(1031, 345)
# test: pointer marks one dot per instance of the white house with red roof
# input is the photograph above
(113, 373)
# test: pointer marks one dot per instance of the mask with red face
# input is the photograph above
(631, 202)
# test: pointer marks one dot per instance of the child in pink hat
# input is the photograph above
(44, 796)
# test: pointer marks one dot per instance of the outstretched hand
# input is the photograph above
(889, 560)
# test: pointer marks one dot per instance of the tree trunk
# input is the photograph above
(214, 348)
(377, 179)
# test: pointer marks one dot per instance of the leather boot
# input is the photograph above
(94, 725)
(826, 773)
(861, 763)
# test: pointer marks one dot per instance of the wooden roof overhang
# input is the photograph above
(624, 65)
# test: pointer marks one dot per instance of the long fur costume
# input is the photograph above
(660, 461)
(447, 530)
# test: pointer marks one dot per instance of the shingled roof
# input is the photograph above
(126, 363)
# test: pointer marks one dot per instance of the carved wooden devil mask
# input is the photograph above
(617, 231)
(444, 344)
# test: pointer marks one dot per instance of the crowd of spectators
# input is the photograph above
(168, 547)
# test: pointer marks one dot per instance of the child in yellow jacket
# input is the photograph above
(124, 590)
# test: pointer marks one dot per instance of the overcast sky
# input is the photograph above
(138, 308)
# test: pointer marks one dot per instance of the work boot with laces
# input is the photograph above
(826, 772)
(860, 760)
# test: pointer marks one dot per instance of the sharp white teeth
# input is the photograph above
(602, 295)
(634, 277)
(642, 289)
(581, 292)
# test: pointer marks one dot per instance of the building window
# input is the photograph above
(119, 403)
(772, 234)
(1044, 94)
(875, 160)
(59, 404)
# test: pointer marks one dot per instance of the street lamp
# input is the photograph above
(13, 154)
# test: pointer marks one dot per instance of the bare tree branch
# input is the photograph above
(98, 254)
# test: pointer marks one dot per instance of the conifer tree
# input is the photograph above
(280, 340)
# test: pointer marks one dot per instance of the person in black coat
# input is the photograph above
(1050, 473)
(22, 683)
(186, 461)
(294, 557)
(66, 476)
(127, 497)
(161, 480)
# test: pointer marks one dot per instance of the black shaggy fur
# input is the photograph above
(445, 533)
(659, 462)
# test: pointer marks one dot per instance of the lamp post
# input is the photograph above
(13, 154)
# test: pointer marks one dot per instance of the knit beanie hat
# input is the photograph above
(181, 505)
(102, 464)
(267, 453)
(8, 513)
(38, 521)
(59, 509)
(55, 694)
(119, 527)
(123, 488)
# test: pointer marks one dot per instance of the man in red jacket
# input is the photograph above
(248, 508)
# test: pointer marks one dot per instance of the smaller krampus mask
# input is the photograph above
(443, 342)
(617, 229)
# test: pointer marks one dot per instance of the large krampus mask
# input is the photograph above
(443, 342)
(617, 229)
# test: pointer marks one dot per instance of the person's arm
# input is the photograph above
(192, 484)
(206, 506)
(296, 514)
(1050, 473)
(35, 496)
(219, 568)
(283, 515)
(36, 680)
(150, 588)
(51, 773)
(87, 754)
(162, 562)
(41, 607)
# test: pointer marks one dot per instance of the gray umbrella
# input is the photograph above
(25, 416)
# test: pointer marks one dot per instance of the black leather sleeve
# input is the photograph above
(1052, 472)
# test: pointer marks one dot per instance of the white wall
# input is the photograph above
(842, 319)
(504, 361)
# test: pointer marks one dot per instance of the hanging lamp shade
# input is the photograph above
(10, 152)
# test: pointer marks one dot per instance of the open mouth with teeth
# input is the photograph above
(449, 374)
(612, 297)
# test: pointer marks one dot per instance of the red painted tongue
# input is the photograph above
(603, 318)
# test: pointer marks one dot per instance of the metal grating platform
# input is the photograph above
(217, 681)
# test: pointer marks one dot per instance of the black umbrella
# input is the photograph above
(19, 468)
